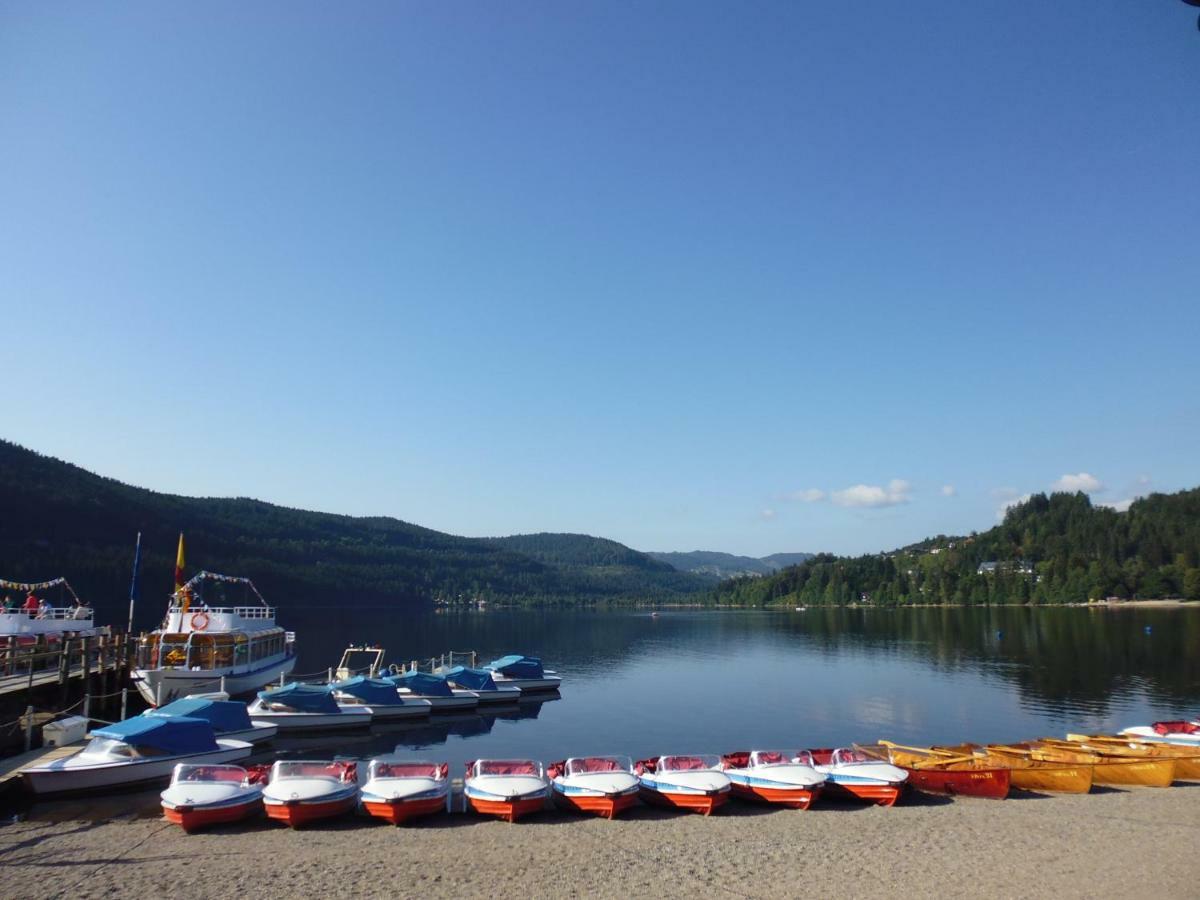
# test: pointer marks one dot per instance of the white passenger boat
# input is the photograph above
(604, 785)
(697, 782)
(307, 707)
(204, 646)
(525, 672)
(381, 696)
(784, 777)
(303, 791)
(137, 750)
(508, 788)
(204, 795)
(229, 718)
(483, 684)
(435, 689)
(399, 789)
(858, 775)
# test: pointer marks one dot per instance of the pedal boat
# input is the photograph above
(853, 773)
(483, 684)
(228, 718)
(1106, 769)
(434, 690)
(1187, 759)
(1183, 733)
(380, 696)
(397, 789)
(204, 795)
(303, 791)
(307, 707)
(603, 785)
(782, 777)
(138, 750)
(524, 672)
(507, 788)
(693, 783)
(942, 772)
(1029, 774)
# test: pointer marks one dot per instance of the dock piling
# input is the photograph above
(28, 728)
(124, 702)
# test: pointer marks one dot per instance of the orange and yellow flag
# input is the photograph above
(179, 565)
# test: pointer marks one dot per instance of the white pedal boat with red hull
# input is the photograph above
(783, 777)
(136, 751)
(380, 696)
(202, 795)
(696, 783)
(1182, 733)
(508, 788)
(855, 774)
(604, 785)
(303, 791)
(525, 672)
(307, 707)
(434, 690)
(228, 718)
(397, 789)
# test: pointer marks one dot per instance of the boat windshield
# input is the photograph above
(844, 756)
(781, 758)
(109, 747)
(307, 769)
(405, 768)
(585, 764)
(688, 763)
(189, 773)
(507, 767)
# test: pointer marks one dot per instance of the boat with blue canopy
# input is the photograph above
(228, 718)
(525, 672)
(138, 750)
(307, 707)
(435, 689)
(482, 683)
(381, 696)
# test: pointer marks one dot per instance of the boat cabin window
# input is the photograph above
(208, 773)
(845, 755)
(99, 746)
(335, 771)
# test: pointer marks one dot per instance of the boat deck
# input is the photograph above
(11, 766)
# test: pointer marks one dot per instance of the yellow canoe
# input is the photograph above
(1030, 774)
(1111, 770)
(1187, 759)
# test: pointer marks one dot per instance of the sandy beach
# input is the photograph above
(1106, 844)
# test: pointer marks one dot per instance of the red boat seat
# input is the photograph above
(595, 764)
(771, 757)
(408, 770)
(683, 763)
(1180, 727)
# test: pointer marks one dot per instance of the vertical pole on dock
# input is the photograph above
(223, 684)
(87, 706)
(158, 694)
(103, 667)
(64, 672)
(87, 667)
(329, 675)
(28, 728)
(281, 677)
(124, 702)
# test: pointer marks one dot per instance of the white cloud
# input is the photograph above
(1010, 503)
(949, 490)
(870, 495)
(1120, 505)
(1089, 484)
(1143, 480)
(812, 495)
(767, 514)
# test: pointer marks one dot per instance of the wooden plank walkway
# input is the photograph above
(11, 766)
(10, 684)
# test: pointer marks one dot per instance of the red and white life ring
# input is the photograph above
(199, 621)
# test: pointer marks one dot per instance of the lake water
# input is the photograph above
(698, 681)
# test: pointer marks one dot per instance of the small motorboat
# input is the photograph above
(1106, 768)
(433, 689)
(138, 750)
(307, 707)
(1187, 758)
(397, 789)
(508, 788)
(303, 791)
(483, 684)
(380, 696)
(1028, 774)
(228, 718)
(594, 784)
(783, 777)
(204, 795)
(942, 772)
(696, 783)
(525, 672)
(855, 774)
(1185, 733)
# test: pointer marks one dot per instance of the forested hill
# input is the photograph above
(58, 519)
(1056, 549)
(716, 565)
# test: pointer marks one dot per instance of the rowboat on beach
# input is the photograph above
(398, 789)
(855, 774)
(507, 788)
(1106, 769)
(941, 772)
(604, 785)
(783, 777)
(1029, 774)
(302, 791)
(696, 783)
(204, 795)
(1187, 759)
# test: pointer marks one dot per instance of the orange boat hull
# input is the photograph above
(508, 810)
(296, 814)
(793, 798)
(191, 819)
(990, 783)
(608, 807)
(400, 811)
(705, 804)
(879, 794)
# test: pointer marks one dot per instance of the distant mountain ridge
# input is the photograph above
(716, 565)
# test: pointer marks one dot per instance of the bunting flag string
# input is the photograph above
(224, 579)
(39, 586)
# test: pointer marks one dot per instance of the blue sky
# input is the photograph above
(749, 277)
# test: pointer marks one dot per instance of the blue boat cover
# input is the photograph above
(173, 735)
(422, 683)
(517, 666)
(302, 697)
(471, 679)
(223, 715)
(375, 691)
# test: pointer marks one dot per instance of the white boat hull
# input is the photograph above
(460, 700)
(75, 773)
(529, 685)
(161, 686)
(348, 717)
